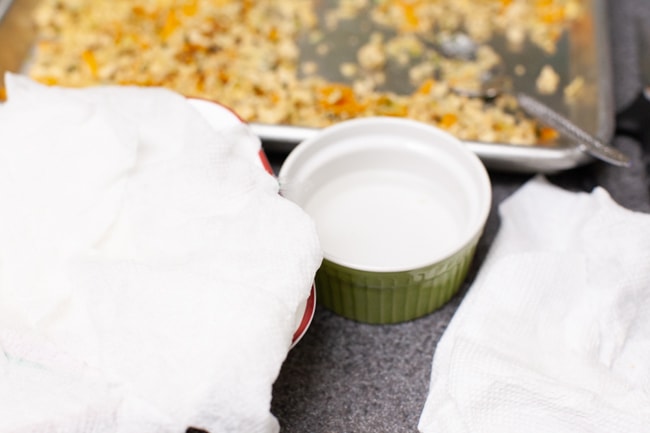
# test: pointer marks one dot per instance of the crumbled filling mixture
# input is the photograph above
(548, 80)
(246, 55)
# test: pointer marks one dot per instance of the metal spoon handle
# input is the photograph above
(587, 142)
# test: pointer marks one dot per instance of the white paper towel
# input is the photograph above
(150, 274)
(554, 334)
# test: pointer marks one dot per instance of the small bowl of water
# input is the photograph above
(399, 207)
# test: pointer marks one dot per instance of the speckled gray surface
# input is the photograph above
(350, 377)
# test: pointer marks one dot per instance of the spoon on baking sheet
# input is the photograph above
(587, 142)
(491, 82)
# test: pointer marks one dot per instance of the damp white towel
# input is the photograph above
(554, 334)
(150, 274)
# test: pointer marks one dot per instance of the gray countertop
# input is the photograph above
(348, 377)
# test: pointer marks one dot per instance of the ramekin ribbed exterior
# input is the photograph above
(392, 297)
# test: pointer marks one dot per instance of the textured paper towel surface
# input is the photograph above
(150, 274)
(554, 334)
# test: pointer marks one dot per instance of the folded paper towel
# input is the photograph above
(150, 273)
(554, 334)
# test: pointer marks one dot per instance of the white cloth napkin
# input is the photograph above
(554, 334)
(150, 274)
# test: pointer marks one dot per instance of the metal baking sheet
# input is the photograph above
(582, 51)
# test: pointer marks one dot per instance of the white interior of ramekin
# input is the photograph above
(388, 194)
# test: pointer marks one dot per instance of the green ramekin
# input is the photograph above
(399, 206)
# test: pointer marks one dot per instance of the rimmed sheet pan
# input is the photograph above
(582, 51)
